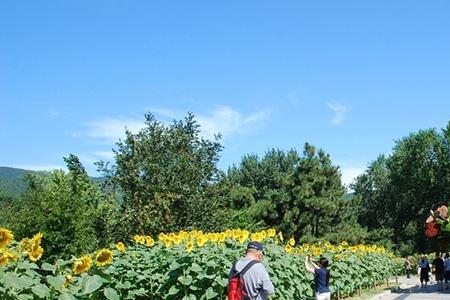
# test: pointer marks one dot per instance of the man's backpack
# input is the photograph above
(236, 283)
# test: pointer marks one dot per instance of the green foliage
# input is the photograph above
(302, 196)
(67, 207)
(172, 273)
(397, 191)
(164, 173)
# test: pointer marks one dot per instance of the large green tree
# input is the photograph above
(397, 191)
(68, 208)
(300, 195)
(165, 173)
(317, 202)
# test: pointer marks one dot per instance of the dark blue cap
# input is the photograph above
(256, 246)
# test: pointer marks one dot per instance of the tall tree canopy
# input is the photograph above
(164, 172)
(302, 196)
(398, 191)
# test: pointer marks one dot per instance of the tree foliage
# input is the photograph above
(67, 208)
(164, 173)
(300, 195)
(398, 191)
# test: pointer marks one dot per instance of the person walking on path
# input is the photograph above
(408, 266)
(447, 270)
(438, 264)
(250, 270)
(321, 277)
(424, 269)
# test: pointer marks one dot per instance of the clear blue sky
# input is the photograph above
(347, 76)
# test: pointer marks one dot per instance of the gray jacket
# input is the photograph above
(257, 280)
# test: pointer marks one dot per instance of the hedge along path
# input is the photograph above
(188, 265)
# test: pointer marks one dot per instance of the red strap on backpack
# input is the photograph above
(236, 283)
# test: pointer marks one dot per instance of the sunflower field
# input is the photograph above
(183, 265)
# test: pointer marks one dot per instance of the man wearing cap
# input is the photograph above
(257, 281)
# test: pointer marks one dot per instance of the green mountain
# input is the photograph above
(12, 180)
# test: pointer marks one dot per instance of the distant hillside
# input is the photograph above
(11, 179)
(12, 183)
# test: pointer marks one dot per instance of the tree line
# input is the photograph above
(165, 178)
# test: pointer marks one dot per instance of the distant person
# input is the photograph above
(248, 278)
(438, 264)
(447, 270)
(424, 269)
(321, 277)
(408, 266)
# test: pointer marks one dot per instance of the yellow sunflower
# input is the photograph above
(68, 280)
(288, 249)
(271, 232)
(37, 239)
(24, 245)
(280, 236)
(35, 253)
(292, 242)
(190, 246)
(6, 236)
(150, 242)
(11, 255)
(139, 239)
(4, 259)
(121, 247)
(82, 264)
(103, 257)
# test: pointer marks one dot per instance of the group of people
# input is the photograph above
(248, 278)
(440, 266)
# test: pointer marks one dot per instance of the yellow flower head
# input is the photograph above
(292, 242)
(177, 239)
(24, 245)
(82, 264)
(280, 236)
(271, 232)
(189, 246)
(35, 253)
(68, 280)
(4, 259)
(11, 255)
(149, 241)
(37, 239)
(222, 237)
(121, 247)
(139, 239)
(257, 237)
(288, 249)
(6, 236)
(243, 236)
(201, 240)
(103, 257)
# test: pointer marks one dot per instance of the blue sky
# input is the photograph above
(347, 76)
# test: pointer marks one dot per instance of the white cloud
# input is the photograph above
(350, 174)
(228, 121)
(223, 119)
(339, 110)
(112, 130)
